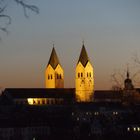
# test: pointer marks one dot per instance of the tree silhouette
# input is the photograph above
(136, 59)
(117, 78)
(5, 19)
(136, 76)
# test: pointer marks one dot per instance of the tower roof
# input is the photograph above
(53, 61)
(83, 56)
(127, 80)
(127, 74)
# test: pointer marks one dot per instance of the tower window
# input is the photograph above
(78, 75)
(51, 76)
(48, 76)
(57, 76)
(81, 74)
(90, 74)
(87, 74)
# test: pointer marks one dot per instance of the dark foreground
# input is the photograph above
(98, 121)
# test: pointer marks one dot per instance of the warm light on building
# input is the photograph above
(30, 101)
(115, 113)
(84, 85)
(54, 74)
(77, 118)
(128, 129)
(84, 78)
(44, 101)
(134, 128)
(96, 113)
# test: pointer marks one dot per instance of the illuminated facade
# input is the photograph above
(54, 91)
(44, 101)
(40, 96)
(54, 74)
(84, 83)
(54, 78)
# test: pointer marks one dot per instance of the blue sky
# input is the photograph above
(110, 29)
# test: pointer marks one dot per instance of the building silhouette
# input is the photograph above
(128, 85)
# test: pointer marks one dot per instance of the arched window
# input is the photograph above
(60, 76)
(78, 75)
(48, 76)
(57, 76)
(90, 74)
(81, 74)
(51, 76)
(87, 74)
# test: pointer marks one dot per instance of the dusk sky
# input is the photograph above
(109, 28)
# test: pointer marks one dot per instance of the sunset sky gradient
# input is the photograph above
(109, 28)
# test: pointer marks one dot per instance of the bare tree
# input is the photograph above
(136, 59)
(136, 76)
(117, 78)
(5, 19)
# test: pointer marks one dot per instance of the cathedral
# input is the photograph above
(84, 76)
(54, 92)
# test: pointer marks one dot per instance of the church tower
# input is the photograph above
(84, 78)
(128, 82)
(54, 73)
(129, 90)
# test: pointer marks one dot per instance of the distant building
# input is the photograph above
(128, 85)
(129, 92)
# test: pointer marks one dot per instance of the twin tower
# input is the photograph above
(84, 77)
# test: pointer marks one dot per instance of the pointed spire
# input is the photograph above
(53, 61)
(127, 72)
(83, 56)
(127, 75)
